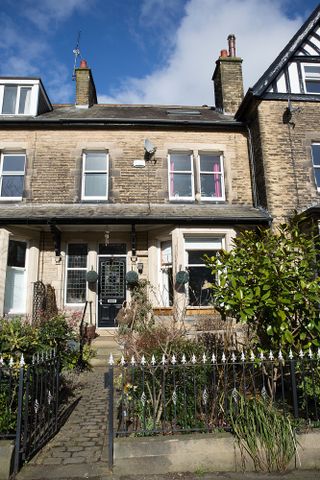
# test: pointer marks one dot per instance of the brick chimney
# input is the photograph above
(85, 89)
(227, 79)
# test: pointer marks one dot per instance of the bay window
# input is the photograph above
(200, 276)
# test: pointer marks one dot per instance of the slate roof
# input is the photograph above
(85, 213)
(126, 114)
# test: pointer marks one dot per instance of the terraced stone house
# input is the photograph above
(150, 189)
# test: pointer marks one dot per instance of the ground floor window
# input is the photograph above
(76, 273)
(166, 274)
(199, 293)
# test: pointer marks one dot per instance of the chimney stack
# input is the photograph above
(85, 89)
(227, 79)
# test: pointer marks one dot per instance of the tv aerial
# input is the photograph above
(76, 52)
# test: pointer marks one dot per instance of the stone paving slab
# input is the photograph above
(79, 450)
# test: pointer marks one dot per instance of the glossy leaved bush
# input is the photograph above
(269, 281)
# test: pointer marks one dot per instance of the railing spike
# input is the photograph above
(173, 359)
(271, 356)
(133, 361)
(301, 354)
(163, 360)
(223, 357)
(143, 360)
(310, 354)
(213, 358)
(290, 354)
(243, 357)
(122, 361)
(233, 357)
(11, 362)
(22, 362)
(280, 356)
(183, 360)
(153, 360)
(204, 358)
(262, 357)
(252, 357)
(193, 359)
(111, 359)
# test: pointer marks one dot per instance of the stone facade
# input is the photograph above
(54, 162)
(284, 170)
(228, 84)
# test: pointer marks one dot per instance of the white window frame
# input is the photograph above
(310, 76)
(105, 172)
(315, 167)
(19, 87)
(221, 172)
(174, 172)
(11, 173)
(212, 237)
(74, 304)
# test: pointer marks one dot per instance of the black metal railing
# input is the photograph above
(172, 395)
(30, 403)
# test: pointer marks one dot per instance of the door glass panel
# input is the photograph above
(112, 278)
(17, 254)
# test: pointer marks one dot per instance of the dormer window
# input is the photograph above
(312, 78)
(16, 100)
(23, 96)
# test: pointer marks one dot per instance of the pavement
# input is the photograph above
(80, 449)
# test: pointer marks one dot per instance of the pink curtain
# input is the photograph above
(171, 177)
(216, 179)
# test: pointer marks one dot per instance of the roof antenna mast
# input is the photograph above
(77, 54)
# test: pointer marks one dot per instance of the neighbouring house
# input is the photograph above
(148, 188)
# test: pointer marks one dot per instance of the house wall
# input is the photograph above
(284, 170)
(54, 162)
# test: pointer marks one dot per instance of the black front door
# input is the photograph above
(112, 289)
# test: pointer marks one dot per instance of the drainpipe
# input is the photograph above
(252, 168)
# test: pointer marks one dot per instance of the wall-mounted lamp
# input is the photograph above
(140, 267)
(106, 238)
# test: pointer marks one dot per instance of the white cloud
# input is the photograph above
(43, 12)
(261, 28)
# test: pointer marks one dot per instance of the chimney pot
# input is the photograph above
(223, 53)
(232, 45)
(83, 63)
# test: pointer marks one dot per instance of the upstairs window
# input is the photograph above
(181, 178)
(95, 176)
(315, 149)
(12, 168)
(211, 176)
(312, 78)
(16, 100)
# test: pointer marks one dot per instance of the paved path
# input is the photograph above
(79, 450)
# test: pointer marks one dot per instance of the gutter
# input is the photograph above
(117, 122)
(134, 220)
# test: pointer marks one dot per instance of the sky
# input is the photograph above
(143, 51)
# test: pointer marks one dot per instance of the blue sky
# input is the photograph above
(143, 51)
